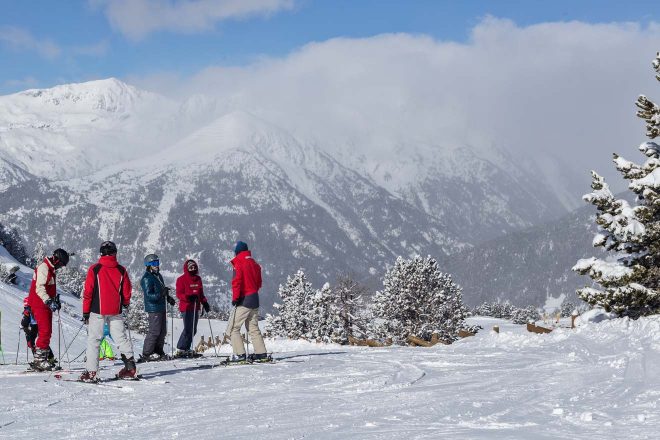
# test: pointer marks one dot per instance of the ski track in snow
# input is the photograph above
(599, 381)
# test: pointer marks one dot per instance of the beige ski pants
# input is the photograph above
(95, 334)
(248, 316)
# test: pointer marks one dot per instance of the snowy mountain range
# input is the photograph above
(81, 163)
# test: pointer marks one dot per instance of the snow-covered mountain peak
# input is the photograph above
(109, 95)
(237, 130)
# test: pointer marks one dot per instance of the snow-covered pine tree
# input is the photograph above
(349, 295)
(324, 317)
(38, 255)
(418, 299)
(567, 308)
(629, 277)
(485, 309)
(10, 239)
(137, 319)
(525, 315)
(71, 279)
(292, 319)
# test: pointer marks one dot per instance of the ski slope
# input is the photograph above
(598, 381)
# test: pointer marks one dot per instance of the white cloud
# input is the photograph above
(554, 89)
(21, 40)
(138, 18)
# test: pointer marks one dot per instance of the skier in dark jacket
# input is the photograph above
(190, 292)
(155, 297)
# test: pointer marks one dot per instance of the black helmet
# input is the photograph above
(151, 260)
(108, 248)
(60, 258)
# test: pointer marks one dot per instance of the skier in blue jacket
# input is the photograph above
(155, 297)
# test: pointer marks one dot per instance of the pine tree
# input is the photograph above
(137, 319)
(293, 319)
(629, 277)
(349, 296)
(525, 315)
(418, 299)
(71, 279)
(38, 255)
(325, 321)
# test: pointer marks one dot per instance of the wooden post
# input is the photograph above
(496, 328)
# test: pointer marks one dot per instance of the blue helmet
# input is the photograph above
(151, 260)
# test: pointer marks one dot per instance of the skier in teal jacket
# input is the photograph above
(156, 295)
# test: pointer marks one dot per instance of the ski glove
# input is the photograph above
(206, 306)
(125, 306)
(170, 300)
(234, 303)
(86, 318)
(54, 306)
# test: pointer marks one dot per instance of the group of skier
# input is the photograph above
(107, 294)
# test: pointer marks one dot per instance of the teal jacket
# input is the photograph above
(153, 287)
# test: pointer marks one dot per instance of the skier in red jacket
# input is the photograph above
(245, 299)
(190, 291)
(43, 301)
(107, 290)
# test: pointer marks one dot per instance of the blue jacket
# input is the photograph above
(153, 287)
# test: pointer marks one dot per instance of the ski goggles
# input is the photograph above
(155, 263)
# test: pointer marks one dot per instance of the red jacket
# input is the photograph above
(187, 285)
(107, 287)
(43, 283)
(247, 276)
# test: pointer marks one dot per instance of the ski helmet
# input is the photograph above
(108, 248)
(60, 257)
(151, 260)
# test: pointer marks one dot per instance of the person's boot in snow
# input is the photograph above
(259, 357)
(129, 371)
(238, 358)
(41, 361)
(88, 376)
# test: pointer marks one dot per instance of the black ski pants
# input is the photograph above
(190, 320)
(155, 339)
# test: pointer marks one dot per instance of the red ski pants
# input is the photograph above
(44, 318)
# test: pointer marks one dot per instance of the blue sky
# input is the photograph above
(43, 42)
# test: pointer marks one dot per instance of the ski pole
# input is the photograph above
(212, 337)
(18, 346)
(66, 351)
(172, 330)
(59, 334)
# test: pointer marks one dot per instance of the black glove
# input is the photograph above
(54, 306)
(166, 291)
(86, 318)
(234, 303)
(192, 298)
(207, 307)
(170, 300)
(125, 306)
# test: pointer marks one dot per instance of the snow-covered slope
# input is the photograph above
(600, 381)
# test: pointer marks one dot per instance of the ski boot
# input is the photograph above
(42, 361)
(153, 357)
(89, 376)
(238, 359)
(129, 372)
(260, 358)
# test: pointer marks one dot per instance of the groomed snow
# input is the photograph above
(598, 381)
